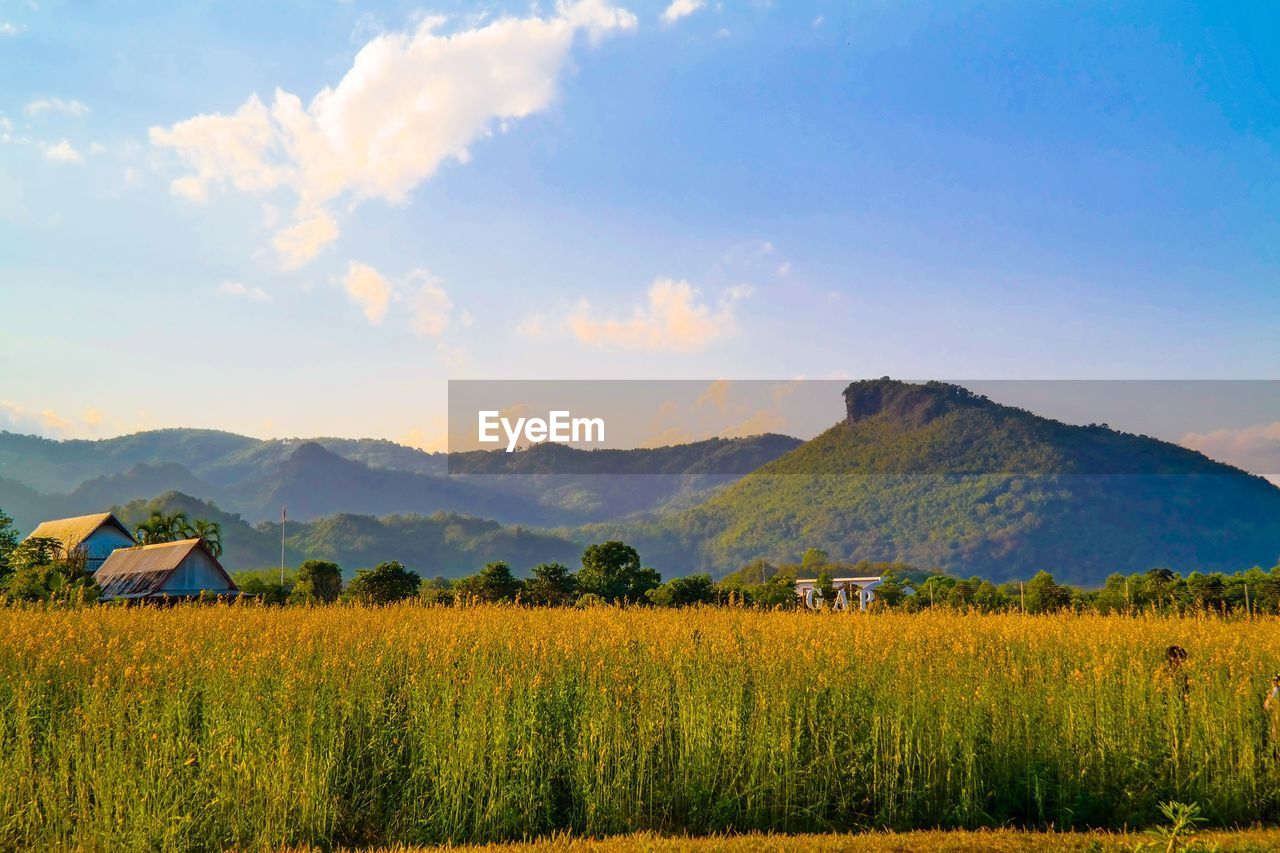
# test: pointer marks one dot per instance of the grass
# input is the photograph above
(206, 727)
(955, 841)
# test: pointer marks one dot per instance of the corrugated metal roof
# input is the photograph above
(142, 571)
(72, 531)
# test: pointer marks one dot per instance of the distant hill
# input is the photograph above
(140, 481)
(546, 485)
(596, 485)
(936, 476)
(314, 482)
(448, 544)
(25, 505)
(221, 459)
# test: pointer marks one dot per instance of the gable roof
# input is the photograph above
(73, 531)
(144, 570)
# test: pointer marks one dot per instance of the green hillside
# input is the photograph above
(936, 476)
(443, 543)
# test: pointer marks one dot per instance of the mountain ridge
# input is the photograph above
(936, 476)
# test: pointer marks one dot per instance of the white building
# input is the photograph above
(182, 569)
(96, 535)
(848, 590)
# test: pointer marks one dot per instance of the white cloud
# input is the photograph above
(367, 288)
(434, 439)
(672, 319)
(423, 296)
(300, 242)
(681, 9)
(429, 306)
(8, 28)
(409, 103)
(47, 422)
(1255, 448)
(63, 152)
(239, 290)
(43, 106)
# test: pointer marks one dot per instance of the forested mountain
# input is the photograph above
(545, 485)
(936, 476)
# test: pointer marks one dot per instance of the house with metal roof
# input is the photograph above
(183, 569)
(96, 535)
(847, 591)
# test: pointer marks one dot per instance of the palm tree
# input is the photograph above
(164, 528)
(152, 531)
(210, 533)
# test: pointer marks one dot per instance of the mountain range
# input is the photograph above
(362, 501)
(929, 474)
(936, 476)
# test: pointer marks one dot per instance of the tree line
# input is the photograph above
(612, 573)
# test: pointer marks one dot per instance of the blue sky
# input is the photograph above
(621, 189)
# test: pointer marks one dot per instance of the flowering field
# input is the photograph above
(230, 725)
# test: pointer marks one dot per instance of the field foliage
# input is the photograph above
(208, 726)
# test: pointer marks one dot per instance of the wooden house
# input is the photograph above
(96, 535)
(182, 569)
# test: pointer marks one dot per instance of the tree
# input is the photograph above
(492, 584)
(684, 592)
(1160, 584)
(210, 533)
(1208, 591)
(9, 540)
(933, 591)
(826, 589)
(160, 528)
(814, 559)
(319, 582)
(612, 571)
(254, 585)
(890, 592)
(552, 585)
(41, 571)
(988, 597)
(172, 527)
(1045, 595)
(437, 590)
(757, 571)
(964, 592)
(384, 584)
(776, 593)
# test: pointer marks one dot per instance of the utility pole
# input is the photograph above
(284, 516)
(1022, 598)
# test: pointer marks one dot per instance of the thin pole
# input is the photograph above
(284, 516)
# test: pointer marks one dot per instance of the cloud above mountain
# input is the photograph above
(1253, 448)
(674, 317)
(427, 305)
(410, 102)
